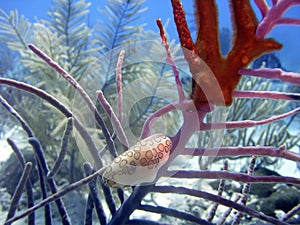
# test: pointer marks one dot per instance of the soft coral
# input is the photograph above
(246, 47)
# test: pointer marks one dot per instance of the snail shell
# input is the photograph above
(139, 163)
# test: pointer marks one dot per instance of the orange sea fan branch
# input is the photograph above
(246, 47)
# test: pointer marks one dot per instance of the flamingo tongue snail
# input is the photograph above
(139, 164)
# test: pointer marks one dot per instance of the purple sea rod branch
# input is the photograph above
(214, 208)
(240, 177)
(218, 199)
(56, 196)
(291, 213)
(113, 118)
(146, 127)
(280, 152)
(19, 190)
(39, 154)
(38, 92)
(183, 106)
(246, 123)
(29, 192)
(44, 193)
(95, 195)
(119, 84)
(171, 61)
(272, 16)
(245, 192)
(144, 222)
(174, 213)
(64, 148)
(109, 197)
(12, 111)
(89, 209)
(82, 92)
(34, 142)
(62, 108)
(267, 94)
(291, 21)
(262, 6)
(228, 211)
(130, 204)
(293, 78)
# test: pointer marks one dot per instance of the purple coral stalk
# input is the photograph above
(267, 94)
(218, 199)
(81, 91)
(273, 16)
(247, 123)
(19, 190)
(113, 118)
(171, 61)
(293, 78)
(64, 148)
(280, 152)
(62, 108)
(55, 196)
(239, 177)
(119, 84)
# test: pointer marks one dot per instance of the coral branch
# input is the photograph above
(273, 16)
(246, 47)
(181, 24)
(214, 208)
(243, 151)
(293, 78)
(109, 198)
(63, 109)
(174, 213)
(291, 213)
(29, 192)
(94, 194)
(267, 94)
(262, 6)
(171, 61)
(228, 211)
(207, 44)
(130, 204)
(289, 21)
(247, 123)
(53, 187)
(218, 199)
(44, 192)
(82, 92)
(56, 196)
(64, 148)
(146, 128)
(240, 177)
(113, 118)
(19, 190)
(183, 106)
(144, 222)
(30, 134)
(89, 210)
(11, 110)
(119, 84)
(245, 191)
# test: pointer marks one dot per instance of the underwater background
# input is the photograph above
(43, 148)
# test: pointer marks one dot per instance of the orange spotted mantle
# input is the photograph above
(139, 164)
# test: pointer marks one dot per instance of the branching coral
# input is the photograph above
(248, 43)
